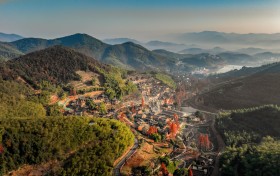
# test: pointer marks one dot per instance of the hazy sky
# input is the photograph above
(140, 19)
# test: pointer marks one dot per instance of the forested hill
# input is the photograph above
(252, 139)
(80, 42)
(246, 71)
(8, 52)
(56, 65)
(79, 145)
(253, 87)
(135, 56)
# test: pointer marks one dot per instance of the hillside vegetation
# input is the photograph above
(84, 146)
(252, 136)
(252, 88)
(56, 64)
(59, 65)
(15, 101)
(166, 79)
(8, 52)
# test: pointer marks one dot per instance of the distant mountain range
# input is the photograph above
(115, 41)
(221, 38)
(215, 50)
(9, 37)
(129, 55)
(151, 45)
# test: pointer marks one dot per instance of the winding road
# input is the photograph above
(117, 168)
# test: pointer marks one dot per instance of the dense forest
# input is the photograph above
(17, 100)
(252, 139)
(85, 146)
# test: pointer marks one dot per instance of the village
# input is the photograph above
(168, 141)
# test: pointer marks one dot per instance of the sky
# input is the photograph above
(139, 19)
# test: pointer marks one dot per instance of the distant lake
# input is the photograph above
(228, 68)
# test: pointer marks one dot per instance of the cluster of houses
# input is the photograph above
(88, 105)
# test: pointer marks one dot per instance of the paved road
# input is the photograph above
(117, 169)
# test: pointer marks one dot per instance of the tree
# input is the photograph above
(110, 93)
(156, 137)
(180, 172)
(61, 94)
(190, 172)
(198, 114)
(142, 102)
(203, 141)
(164, 170)
(173, 127)
(176, 119)
(91, 104)
(102, 108)
(54, 110)
(1, 149)
(152, 130)
(164, 160)
(93, 81)
(140, 170)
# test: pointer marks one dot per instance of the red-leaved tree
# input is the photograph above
(152, 130)
(164, 170)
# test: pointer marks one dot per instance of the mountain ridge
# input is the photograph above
(9, 37)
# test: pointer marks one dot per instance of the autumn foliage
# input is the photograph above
(164, 169)
(152, 130)
(121, 116)
(173, 127)
(190, 172)
(176, 119)
(143, 102)
(204, 141)
(1, 149)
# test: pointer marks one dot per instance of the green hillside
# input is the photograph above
(15, 101)
(58, 65)
(252, 139)
(74, 141)
(136, 56)
(8, 52)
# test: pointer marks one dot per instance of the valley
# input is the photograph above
(78, 105)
